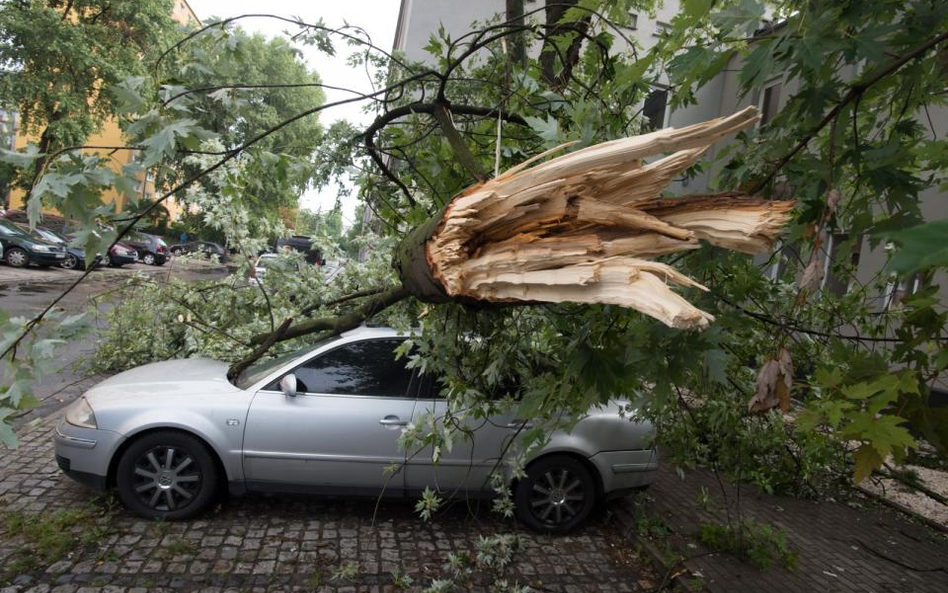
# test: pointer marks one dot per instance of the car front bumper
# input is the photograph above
(47, 259)
(83, 454)
(622, 471)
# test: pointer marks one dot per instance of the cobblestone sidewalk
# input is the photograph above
(840, 548)
(81, 542)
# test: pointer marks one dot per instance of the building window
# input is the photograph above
(655, 107)
(785, 254)
(139, 186)
(901, 288)
(839, 275)
(770, 102)
(661, 28)
(634, 22)
(149, 176)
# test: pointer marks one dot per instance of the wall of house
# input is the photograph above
(111, 135)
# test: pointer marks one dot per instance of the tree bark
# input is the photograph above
(518, 50)
(555, 11)
(583, 228)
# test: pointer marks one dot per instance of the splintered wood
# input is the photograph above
(582, 227)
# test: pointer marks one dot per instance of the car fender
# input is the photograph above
(225, 439)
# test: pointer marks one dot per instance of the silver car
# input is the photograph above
(170, 435)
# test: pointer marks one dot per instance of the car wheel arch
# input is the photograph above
(132, 438)
(573, 454)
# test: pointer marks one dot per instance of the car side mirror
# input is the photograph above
(288, 385)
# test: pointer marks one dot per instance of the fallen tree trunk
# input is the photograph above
(578, 228)
(582, 228)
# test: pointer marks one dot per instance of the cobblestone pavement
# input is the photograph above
(840, 548)
(57, 536)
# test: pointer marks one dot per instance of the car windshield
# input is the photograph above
(51, 236)
(262, 368)
(11, 230)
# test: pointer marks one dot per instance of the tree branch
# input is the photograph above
(442, 115)
(341, 323)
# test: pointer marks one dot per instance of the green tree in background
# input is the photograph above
(58, 59)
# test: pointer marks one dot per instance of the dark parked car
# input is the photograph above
(151, 250)
(304, 245)
(121, 254)
(20, 249)
(75, 257)
(205, 248)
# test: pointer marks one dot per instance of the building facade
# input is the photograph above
(109, 135)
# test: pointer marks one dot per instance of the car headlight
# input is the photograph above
(43, 248)
(80, 414)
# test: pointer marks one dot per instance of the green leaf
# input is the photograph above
(21, 159)
(920, 247)
(867, 461)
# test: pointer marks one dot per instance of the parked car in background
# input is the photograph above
(327, 419)
(205, 248)
(119, 255)
(304, 245)
(259, 269)
(20, 249)
(151, 250)
(75, 257)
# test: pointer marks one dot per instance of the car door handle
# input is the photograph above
(392, 421)
(518, 424)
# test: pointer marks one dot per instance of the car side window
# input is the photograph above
(367, 367)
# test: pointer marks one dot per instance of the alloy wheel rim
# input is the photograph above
(149, 259)
(166, 478)
(70, 262)
(16, 258)
(557, 496)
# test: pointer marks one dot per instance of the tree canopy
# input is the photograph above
(795, 386)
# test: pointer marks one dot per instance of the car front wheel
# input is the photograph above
(16, 257)
(556, 496)
(167, 475)
(71, 262)
(149, 259)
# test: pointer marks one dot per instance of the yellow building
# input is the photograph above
(111, 135)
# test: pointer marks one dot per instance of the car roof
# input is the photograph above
(365, 332)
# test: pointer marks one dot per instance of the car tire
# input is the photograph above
(556, 496)
(156, 484)
(70, 263)
(176, 252)
(149, 259)
(16, 257)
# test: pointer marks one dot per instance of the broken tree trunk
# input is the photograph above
(582, 228)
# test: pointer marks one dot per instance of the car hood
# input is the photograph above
(188, 377)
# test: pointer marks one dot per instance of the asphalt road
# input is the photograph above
(27, 292)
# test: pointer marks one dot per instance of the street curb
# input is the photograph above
(654, 555)
(904, 510)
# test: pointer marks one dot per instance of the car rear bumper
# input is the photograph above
(121, 260)
(622, 471)
(83, 454)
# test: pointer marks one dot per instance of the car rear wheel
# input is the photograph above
(71, 262)
(167, 475)
(16, 257)
(149, 259)
(556, 496)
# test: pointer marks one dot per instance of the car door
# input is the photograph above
(340, 432)
(466, 468)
